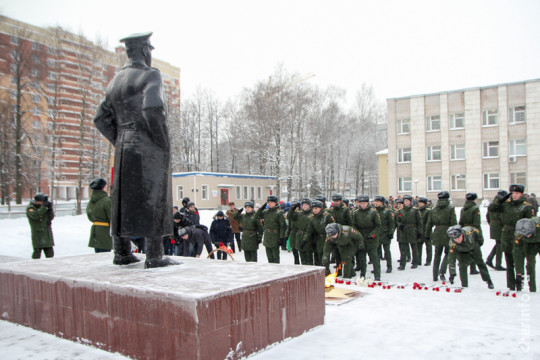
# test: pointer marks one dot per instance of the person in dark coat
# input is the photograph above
(40, 215)
(132, 117)
(221, 233)
(98, 212)
(198, 237)
(185, 202)
(193, 213)
(180, 221)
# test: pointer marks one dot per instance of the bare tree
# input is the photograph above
(87, 55)
(26, 70)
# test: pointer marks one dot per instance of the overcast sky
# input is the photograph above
(400, 47)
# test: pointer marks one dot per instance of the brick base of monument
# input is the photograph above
(202, 309)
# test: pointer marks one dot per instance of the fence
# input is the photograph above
(60, 209)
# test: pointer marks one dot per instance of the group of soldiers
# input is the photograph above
(349, 236)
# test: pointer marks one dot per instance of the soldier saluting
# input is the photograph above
(512, 208)
(132, 118)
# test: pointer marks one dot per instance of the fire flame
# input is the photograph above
(331, 278)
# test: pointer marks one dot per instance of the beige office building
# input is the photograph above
(473, 140)
(210, 190)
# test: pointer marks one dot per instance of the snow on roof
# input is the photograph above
(244, 176)
(382, 152)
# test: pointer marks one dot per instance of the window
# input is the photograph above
(457, 152)
(459, 182)
(36, 98)
(13, 67)
(404, 126)
(405, 184)
(489, 118)
(252, 193)
(516, 115)
(35, 46)
(404, 155)
(35, 59)
(238, 193)
(204, 192)
(518, 178)
(457, 121)
(246, 193)
(434, 153)
(14, 40)
(518, 148)
(36, 72)
(491, 181)
(259, 193)
(35, 111)
(491, 149)
(36, 124)
(179, 192)
(434, 183)
(433, 123)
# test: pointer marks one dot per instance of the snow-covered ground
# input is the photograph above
(384, 324)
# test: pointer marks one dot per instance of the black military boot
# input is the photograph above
(490, 284)
(500, 268)
(489, 262)
(442, 277)
(519, 282)
(154, 254)
(388, 271)
(122, 251)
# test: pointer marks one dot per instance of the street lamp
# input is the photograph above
(416, 187)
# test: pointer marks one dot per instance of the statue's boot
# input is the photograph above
(122, 251)
(154, 254)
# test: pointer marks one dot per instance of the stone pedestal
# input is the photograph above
(202, 309)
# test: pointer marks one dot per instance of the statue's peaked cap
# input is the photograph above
(137, 39)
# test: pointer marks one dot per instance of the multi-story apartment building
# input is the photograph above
(472, 140)
(51, 82)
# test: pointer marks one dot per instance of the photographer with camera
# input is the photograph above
(40, 215)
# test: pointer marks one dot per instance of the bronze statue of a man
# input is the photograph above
(132, 118)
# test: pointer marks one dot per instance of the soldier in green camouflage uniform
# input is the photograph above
(443, 215)
(410, 228)
(495, 233)
(526, 246)
(386, 233)
(252, 231)
(366, 221)
(274, 227)
(470, 216)
(300, 216)
(342, 215)
(512, 207)
(425, 212)
(40, 215)
(293, 230)
(315, 231)
(464, 248)
(347, 240)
